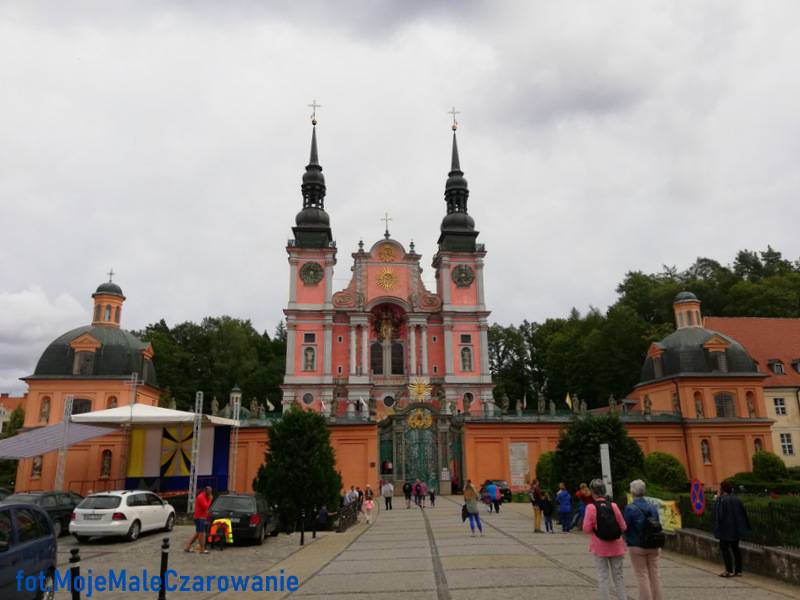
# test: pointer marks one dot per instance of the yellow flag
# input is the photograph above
(568, 400)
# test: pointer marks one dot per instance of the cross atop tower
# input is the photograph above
(314, 106)
(454, 112)
(386, 218)
(111, 275)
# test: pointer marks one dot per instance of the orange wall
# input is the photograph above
(661, 395)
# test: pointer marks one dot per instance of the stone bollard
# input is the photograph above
(162, 590)
(302, 528)
(74, 572)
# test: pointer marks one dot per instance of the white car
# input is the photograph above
(123, 513)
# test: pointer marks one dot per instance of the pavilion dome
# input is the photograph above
(120, 353)
(109, 287)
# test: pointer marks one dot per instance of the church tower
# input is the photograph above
(459, 281)
(309, 314)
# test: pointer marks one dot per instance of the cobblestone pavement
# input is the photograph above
(425, 555)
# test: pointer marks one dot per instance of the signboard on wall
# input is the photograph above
(518, 463)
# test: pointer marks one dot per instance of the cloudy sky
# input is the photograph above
(167, 140)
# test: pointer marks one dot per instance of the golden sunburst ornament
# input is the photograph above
(387, 279)
(419, 389)
(386, 253)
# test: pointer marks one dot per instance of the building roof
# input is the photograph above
(120, 354)
(766, 339)
(684, 354)
(109, 287)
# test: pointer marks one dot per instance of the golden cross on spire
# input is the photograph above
(454, 112)
(386, 218)
(111, 275)
(314, 106)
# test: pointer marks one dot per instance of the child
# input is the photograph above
(368, 506)
(547, 511)
(432, 496)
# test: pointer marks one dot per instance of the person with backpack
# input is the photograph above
(407, 488)
(535, 496)
(645, 538)
(603, 520)
(547, 507)
(730, 525)
(564, 501)
(470, 508)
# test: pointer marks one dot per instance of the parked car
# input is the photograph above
(121, 513)
(27, 543)
(502, 484)
(57, 505)
(252, 518)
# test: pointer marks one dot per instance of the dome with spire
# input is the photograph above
(312, 223)
(458, 227)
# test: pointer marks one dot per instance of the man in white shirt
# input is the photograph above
(387, 491)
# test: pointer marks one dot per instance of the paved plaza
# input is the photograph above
(425, 555)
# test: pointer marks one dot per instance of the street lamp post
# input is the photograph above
(236, 405)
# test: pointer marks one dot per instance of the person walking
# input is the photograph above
(407, 489)
(603, 520)
(432, 497)
(417, 492)
(564, 502)
(387, 491)
(491, 492)
(423, 491)
(639, 516)
(471, 497)
(201, 505)
(731, 524)
(584, 497)
(369, 505)
(535, 495)
(547, 508)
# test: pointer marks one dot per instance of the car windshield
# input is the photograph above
(242, 503)
(99, 502)
(25, 498)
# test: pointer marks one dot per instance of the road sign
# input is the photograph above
(698, 498)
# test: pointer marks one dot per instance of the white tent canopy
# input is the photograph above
(143, 414)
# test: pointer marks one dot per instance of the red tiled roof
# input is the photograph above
(766, 339)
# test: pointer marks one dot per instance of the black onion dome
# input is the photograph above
(119, 355)
(684, 354)
(109, 287)
(458, 221)
(311, 216)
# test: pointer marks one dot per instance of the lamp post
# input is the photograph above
(236, 405)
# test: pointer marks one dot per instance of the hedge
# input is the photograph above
(666, 471)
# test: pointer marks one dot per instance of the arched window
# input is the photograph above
(308, 399)
(466, 358)
(111, 402)
(397, 358)
(44, 410)
(376, 358)
(108, 312)
(690, 318)
(116, 315)
(705, 450)
(726, 407)
(98, 309)
(105, 464)
(309, 359)
(81, 405)
(758, 445)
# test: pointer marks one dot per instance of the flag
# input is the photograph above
(568, 400)
(323, 406)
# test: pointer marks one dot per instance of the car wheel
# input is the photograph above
(260, 536)
(57, 528)
(170, 523)
(82, 539)
(49, 592)
(134, 531)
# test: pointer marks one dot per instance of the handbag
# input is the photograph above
(464, 513)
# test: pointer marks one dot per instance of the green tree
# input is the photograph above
(665, 470)
(769, 467)
(544, 471)
(299, 472)
(8, 468)
(577, 457)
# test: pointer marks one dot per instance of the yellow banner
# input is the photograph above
(668, 512)
(136, 453)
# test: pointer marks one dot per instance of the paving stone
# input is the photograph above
(371, 582)
(500, 561)
(531, 577)
(381, 565)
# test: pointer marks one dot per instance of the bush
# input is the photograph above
(544, 470)
(769, 467)
(750, 485)
(665, 470)
(794, 472)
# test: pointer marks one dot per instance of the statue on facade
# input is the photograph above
(576, 403)
(334, 406)
(552, 408)
(172, 404)
(648, 406)
(698, 407)
(253, 406)
(676, 403)
(540, 403)
(453, 406)
(226, 412)
(612, 404)
(262, 412)
(751, 408)
(44, 411)
(518, 408)
(584, 407)
(214, 406)
(270, 405)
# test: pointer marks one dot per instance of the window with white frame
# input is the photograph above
(787, 446)
(777, 367)
(780, 406)
(309, 338)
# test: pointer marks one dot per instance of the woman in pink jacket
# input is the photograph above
(603, 520)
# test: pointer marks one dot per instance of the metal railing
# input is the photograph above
(347, 516)
(771, 524)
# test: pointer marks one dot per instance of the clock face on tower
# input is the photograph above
(463, 276)
(311, 273)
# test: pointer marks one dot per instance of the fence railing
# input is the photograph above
(772, 524)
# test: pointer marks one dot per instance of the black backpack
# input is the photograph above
(652, 532)
(607, 527)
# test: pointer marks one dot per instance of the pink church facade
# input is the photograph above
(355, 351)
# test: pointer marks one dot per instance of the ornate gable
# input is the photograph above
(85, 342)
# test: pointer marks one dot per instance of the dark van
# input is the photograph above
(27, 544)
